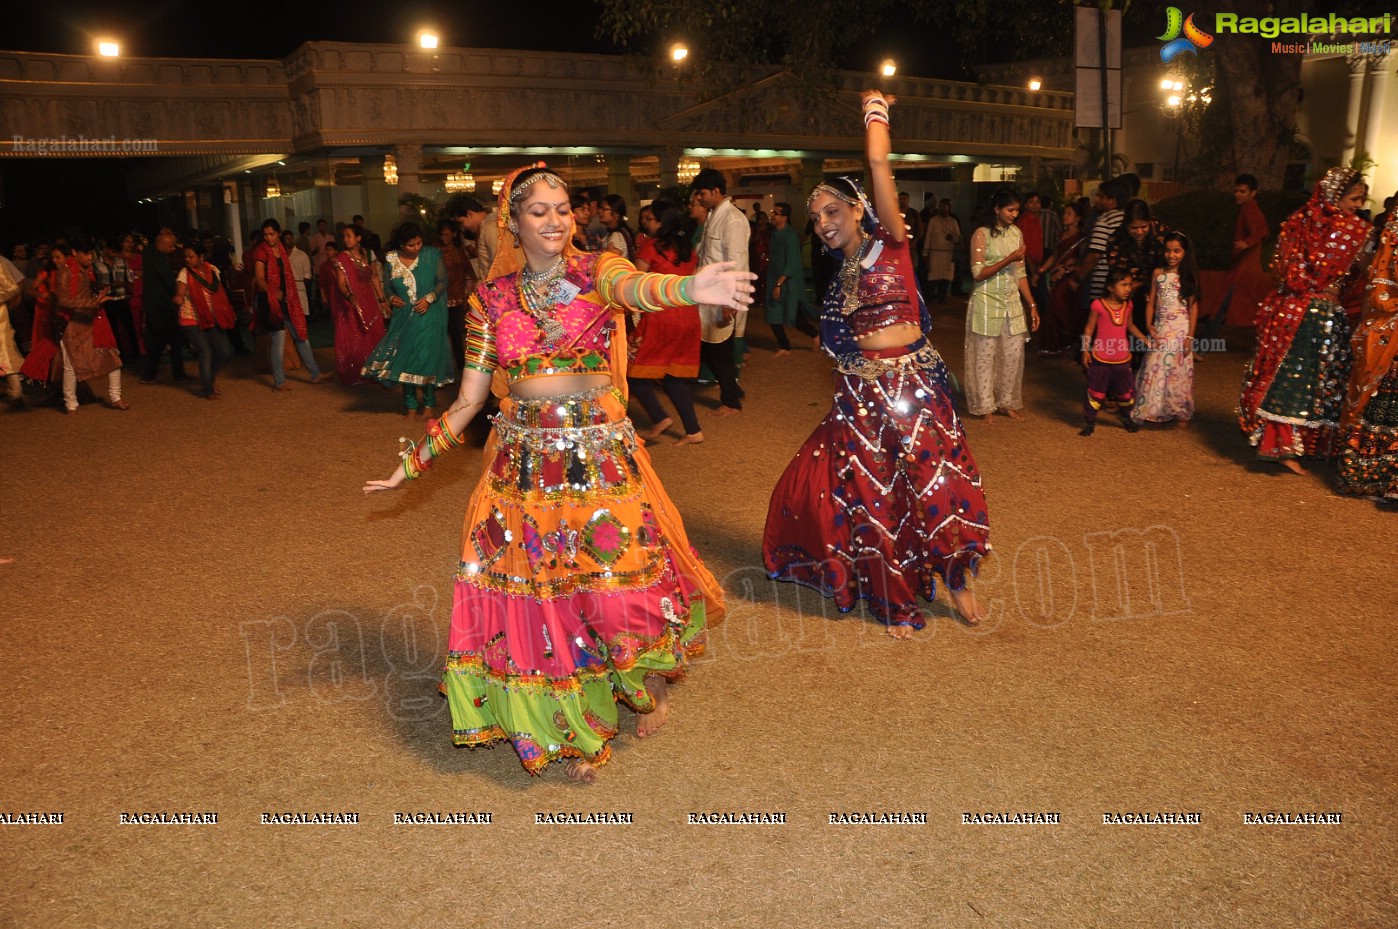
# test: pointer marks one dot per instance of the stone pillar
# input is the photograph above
(191, 211)
(409, 159)
(1357, 66)
(619, 182)
(812, 173)
(1373, 116)
(669, 167)
(231, 207)
(963, 202)
(380, 199)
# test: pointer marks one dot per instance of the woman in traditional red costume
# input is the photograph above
(577, 587)
(1368, 446)
(1294, 388)
(358, 306)
(884, 498)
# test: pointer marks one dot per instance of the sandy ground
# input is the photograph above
(207, 616)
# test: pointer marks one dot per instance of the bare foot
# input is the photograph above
(1014, 414)
(987, 418)
(579, 771)
(321, 378)
(659, 690)
(902, 633)
(1181, 424)
(656, 431)
(410, 414)
(780, 352)
(964, 602)
(7, 561)
(1292, 465)
(693, 438)
(429, 413)
(282, 386)
(726, 411)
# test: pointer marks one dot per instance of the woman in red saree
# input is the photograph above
(1294, 389)
(358, 306)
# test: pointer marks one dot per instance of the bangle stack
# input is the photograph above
(655, 292)
(418, 456)
(875, 111)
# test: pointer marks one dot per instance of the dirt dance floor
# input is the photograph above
(1181, 712)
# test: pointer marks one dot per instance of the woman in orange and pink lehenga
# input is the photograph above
(577, 587)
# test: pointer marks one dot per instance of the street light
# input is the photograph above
(108, 48)
(1035, 83)
(678, 52)
(427, 38)
(889, 67)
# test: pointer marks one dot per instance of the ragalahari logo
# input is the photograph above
(1193, 37)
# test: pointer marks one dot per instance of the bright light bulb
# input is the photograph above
(1174, 100)
(108, 49)
(678, 52)
(1035, 84)
(1178, 85)
(1166, 84)
(427, 39)
(889, 67)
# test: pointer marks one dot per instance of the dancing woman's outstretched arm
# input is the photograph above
(446, 432)
(878, 145)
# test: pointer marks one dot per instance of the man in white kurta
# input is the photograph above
(726, 234)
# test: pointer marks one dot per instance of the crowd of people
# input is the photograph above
(577, 588)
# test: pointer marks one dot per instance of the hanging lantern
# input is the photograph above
(274, 189)
(390, 169)
(468, 182)
(497, 185)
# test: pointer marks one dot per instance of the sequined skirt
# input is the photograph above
(1368, 450)
(1304, 377)
(575, 582)
(884, 497)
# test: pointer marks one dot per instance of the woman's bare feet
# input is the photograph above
(580, 771)
(780, 352)
(429, 412)
(1181, 424)
(656, 431)
(322, 377)
(282, 386)
(1292, 465)
(987, 418)
(964, 602)
(694, 438)
(7, 561)
(410, 415)
(659, 690)
(1014, 414)
(902, 632)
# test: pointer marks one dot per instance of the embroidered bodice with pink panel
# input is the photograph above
(574, 338)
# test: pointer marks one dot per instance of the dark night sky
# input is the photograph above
(177, 28)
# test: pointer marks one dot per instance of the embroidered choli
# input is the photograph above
(501, 332)
(887, 293)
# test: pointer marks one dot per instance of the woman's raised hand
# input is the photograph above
(719, 285)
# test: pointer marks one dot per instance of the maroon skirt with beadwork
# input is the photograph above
(884, 498)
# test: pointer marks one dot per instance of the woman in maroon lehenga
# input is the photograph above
(884, 499)
(1061, 324)
(358, 306)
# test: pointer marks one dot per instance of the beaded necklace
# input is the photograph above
(539, 293)
(849, 275)
(1117, 313)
